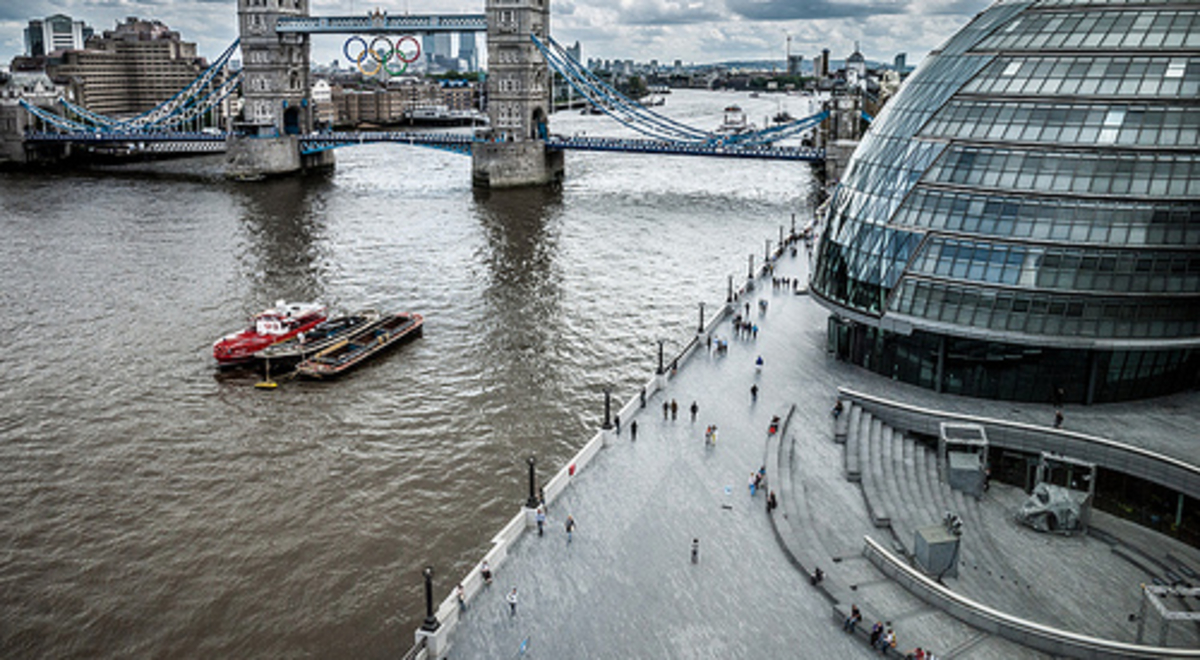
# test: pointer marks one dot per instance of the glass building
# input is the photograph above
(1024, 216)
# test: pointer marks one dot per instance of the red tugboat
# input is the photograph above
(281, 322)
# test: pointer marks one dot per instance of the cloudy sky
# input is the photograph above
(695, 31)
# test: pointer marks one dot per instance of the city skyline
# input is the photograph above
(699, 31)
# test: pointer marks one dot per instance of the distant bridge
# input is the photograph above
(210, 142)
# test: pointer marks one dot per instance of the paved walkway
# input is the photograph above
(625, 587)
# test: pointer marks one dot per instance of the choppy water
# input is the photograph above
(152, 506)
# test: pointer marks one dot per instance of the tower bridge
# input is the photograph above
(275, 135)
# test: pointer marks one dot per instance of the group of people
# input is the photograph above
(756, 480)
(785, 283)
(882, 638)
(743, 329)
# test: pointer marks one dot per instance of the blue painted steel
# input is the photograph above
(382, 24)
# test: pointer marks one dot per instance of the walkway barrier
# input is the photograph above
(1030, 438)
(1028, 633)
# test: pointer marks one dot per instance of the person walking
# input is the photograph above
(485, 571)
(666, 410)
(512, 602)
(695, 551)
(541, 520)
(617, 421)
(695, 409)
(570, 525)
(674, 409)
(633, 430)
(753, 393)
(462, 597)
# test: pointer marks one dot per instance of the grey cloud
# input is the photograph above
(814, 9)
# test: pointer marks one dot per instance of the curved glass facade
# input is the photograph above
(1024, 215)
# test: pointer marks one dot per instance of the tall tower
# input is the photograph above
(276, 84)
(519, 103)
(276, 90)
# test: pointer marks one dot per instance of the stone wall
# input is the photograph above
(514, 164)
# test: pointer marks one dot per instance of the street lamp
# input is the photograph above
(532, 502)
(751, 273)
(701, 328)
(768, 251)
(729, 292)
(660, 370)
(431, 623)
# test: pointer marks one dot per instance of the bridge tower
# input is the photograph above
(519, 99)
(276, 91)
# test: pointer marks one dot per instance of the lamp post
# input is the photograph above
(793, 225)
(701, 327)
(767, 253)
(660, 370)
(751, 273)
(729, 291)
(532, 502)
(431, 623)
(781, 238)
(607, 409)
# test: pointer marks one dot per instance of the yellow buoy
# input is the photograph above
(266, 385)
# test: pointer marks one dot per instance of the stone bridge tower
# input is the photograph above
(276, 90)
(519, 99)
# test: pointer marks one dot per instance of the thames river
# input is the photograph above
(152, 506)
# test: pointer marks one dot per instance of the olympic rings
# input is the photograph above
(382, 56)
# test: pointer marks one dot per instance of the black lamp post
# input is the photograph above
(768, 251)
(701, 328)
(751, 273)
(431, 623)
(660, 357)
(729, 292)
(793, 225)
(607, 409)
(532, 502)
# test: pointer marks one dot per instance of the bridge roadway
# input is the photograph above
(624, 585)
(456, 142)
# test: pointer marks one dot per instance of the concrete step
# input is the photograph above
(851, 467)
(874, 486)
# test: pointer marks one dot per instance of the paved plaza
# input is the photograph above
(624, 585)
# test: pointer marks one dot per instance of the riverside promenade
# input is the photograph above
(624, 584)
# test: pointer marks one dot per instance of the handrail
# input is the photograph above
(1023, 631)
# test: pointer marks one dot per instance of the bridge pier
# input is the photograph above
(515, 164)
(252, 158)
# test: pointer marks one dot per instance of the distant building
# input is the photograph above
(901, 62)
(467, 51)
(576, 52)
(57, 32)
(793, 64)
(322, 97)
(130, 69)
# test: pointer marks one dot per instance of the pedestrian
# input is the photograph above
(753, 483)
(695, 551)
(617, 421)
(633, 430)
(852, 621)
(754, 331)
(837, 409)
(541, 520)
(758, 363)
(462, 598)
(674, 409)
(666, 410)
(747, 309)
(485, 572)
(754, 393)
(708, 342)
(512, 602)
(695, 409)
(643, 395)
(1059, 396)
(1058, 418)
(771, 502)
(876, 633)
(570, 525)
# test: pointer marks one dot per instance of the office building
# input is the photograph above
(1022, 221)
(57, 32)
(130, 69)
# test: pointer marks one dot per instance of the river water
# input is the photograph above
(153, 506)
